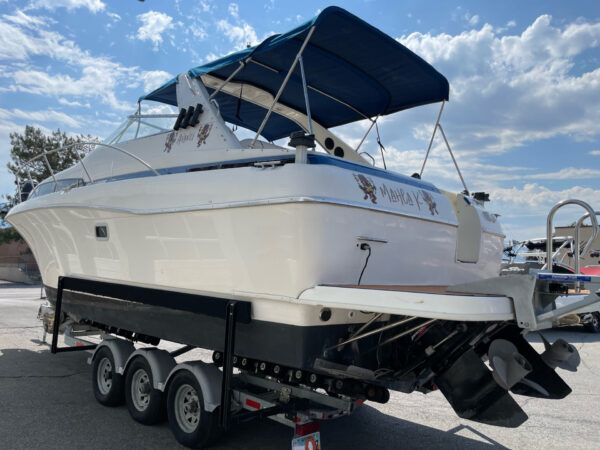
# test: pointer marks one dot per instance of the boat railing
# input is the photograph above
(550, 227)
(587, 245)
(92, 145)
(369, 156)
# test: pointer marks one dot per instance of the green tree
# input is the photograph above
(30, 144)
(33, 142)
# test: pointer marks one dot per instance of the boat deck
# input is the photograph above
(418, 289)
(430, 301)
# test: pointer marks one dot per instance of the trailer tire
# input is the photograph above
(106, 382)
(191, 424)
(594, 325)
(145, 404)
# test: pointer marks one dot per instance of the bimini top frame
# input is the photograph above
(352, 72)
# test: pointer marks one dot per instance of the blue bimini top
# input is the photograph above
(353, 71)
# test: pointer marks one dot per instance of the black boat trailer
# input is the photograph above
(240, 397)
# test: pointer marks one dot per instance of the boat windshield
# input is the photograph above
(141, 125)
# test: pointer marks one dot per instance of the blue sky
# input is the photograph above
(524, 111)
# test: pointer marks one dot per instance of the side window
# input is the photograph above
(69, 182)
(43, 189)
(50, 186)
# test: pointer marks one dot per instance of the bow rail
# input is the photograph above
(23, 167)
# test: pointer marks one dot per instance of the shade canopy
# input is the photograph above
(353, 71)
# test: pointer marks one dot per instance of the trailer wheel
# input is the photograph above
(106, 382)
(145, 404)
(594, 325)
(191, 424)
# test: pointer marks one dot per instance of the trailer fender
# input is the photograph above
(209, 379)
(120, 348)
(161, 364)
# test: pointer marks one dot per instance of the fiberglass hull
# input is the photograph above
(194, 233)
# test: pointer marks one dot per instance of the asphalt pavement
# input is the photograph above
(46, 402)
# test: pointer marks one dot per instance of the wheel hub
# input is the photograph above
(104, 376)
(187, 408)
(140, 389)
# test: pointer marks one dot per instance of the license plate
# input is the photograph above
(309, 442)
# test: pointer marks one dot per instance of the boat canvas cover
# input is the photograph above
(353, 71)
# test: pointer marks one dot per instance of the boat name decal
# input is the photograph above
(203, 134)
(174, 137)
(420, 199)
(367, 186)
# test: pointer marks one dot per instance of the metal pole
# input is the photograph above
(550, 226)
(83, 165)
(405, 332)
(372, 332)
(50, 169)
(285, 81)
(578, 252)
(366, 325)
(29, 173)
(437, 122)
(137, 130)
(228, 351)
(235, 72)
(310, 129)
(452, 155)
(19, 188)
(57, 314)
(367, 133)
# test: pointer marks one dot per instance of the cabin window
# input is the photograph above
(50, 186)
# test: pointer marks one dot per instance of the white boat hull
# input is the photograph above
(262, 246)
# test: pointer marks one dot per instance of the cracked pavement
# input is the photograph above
(46, 402)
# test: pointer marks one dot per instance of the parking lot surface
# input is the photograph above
(47, 403)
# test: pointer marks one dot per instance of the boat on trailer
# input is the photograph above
(326, 271)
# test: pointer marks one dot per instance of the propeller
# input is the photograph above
(561, 354)
(509, 366)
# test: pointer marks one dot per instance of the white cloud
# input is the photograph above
(22, 19)
(197, 31)
(93, 5)
(539, 199)
(114, 16)
(507, 90)
(96, 82)
(205, 5)
(158, 108)
(99, 76)
(595, 152)
(472, 20)
(154, 78)
(234, 10)
(64, 101)
(568, 173)
(153, 25)
(240, 36)
(41, 116)
(270, 5)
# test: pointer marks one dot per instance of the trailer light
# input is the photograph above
(308, 428)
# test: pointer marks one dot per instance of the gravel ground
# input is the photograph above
(47, 402)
